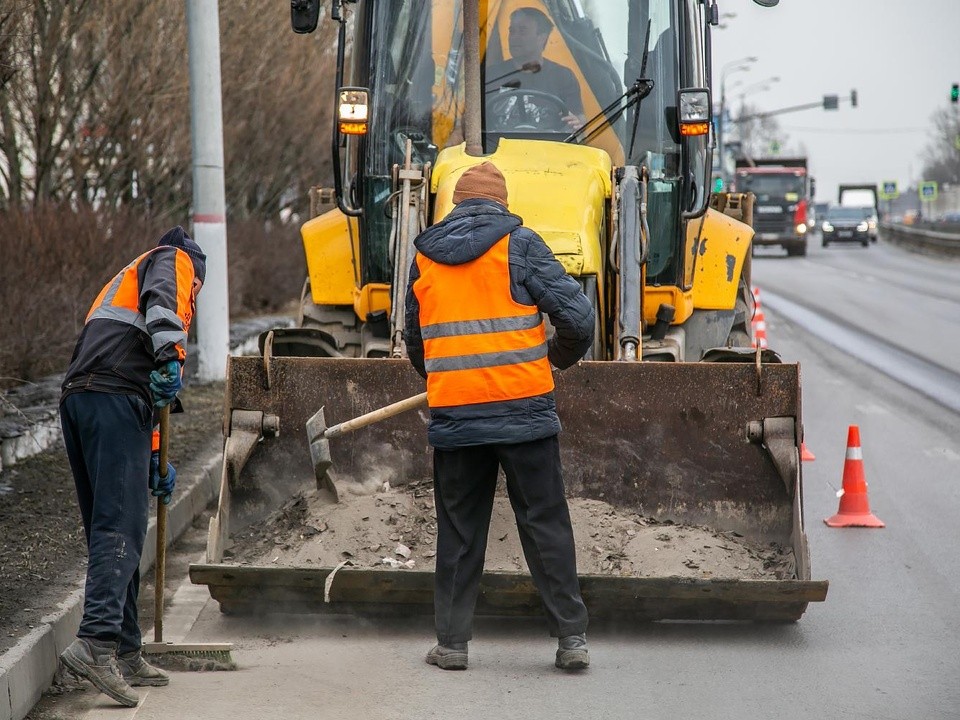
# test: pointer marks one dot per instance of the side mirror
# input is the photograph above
(766, 3)
(813, 187)
(304, 15)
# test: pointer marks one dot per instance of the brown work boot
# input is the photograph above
(138, 672)
(448, 657)
(96, 661)
(572, 653)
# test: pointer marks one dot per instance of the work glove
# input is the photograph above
(165, 383)
(161, 487)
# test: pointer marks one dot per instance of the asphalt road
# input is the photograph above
(883, 645)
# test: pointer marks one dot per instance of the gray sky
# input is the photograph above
(900, 55)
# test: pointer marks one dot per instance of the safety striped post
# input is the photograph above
(759, 322)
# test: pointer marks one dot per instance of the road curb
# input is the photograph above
(27, 669)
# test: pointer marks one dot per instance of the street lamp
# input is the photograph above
(734, 66)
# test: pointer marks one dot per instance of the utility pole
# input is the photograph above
(209, 198)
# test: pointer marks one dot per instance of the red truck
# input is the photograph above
(783, 212)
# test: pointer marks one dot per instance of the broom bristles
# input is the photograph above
(194, 660)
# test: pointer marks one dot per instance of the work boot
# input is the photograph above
(448, 657)
(138, 672)
(572, 653)
(96, 661)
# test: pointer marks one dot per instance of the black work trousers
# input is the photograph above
(108, 439)
(465, 481)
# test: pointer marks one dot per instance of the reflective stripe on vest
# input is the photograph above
(120, 300)
(479, 344)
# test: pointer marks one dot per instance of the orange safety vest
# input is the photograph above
(479, 344)
(120, 300)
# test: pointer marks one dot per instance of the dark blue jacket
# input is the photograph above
(536, 278)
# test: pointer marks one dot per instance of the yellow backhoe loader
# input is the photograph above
(672, 413)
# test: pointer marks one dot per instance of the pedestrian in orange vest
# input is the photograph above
(127, 362)
(479, 286)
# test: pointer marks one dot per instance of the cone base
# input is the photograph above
(855, 520)
(806, 455)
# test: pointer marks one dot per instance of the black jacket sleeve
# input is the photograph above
(411, 331)
(559, 296)
(165, 302)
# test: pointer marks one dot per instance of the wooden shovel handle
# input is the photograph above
(377, 415)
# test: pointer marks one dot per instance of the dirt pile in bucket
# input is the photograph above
(396, 528)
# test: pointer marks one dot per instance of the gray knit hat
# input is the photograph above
(178, 238)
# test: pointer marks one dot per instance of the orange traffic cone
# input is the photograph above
(759, 322)
(806, 455)
(854, 507)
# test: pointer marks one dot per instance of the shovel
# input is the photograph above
(318, 434)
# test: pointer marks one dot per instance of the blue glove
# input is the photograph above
(161, 487)
(165, 383)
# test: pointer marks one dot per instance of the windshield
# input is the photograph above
(771, 185)
(842, 213)
(547, 67)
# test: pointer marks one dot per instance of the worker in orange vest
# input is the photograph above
(128, 361)
(478, 288)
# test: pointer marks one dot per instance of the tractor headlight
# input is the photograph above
(352, 110)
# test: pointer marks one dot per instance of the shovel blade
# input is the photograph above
(320, 450)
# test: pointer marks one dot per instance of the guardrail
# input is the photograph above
(922, 239)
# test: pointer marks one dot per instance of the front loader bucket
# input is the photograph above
(705, 444)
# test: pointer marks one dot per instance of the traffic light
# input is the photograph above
(830, 102)
(853, 98)
(955, 93)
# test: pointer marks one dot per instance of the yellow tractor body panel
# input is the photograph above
(559, 190)
(654, 296)
(371, 298)
(331, 243)
(722, 249)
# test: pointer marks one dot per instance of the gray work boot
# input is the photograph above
(572, 653)
(448, 657)
(138, 672)
(96, 661)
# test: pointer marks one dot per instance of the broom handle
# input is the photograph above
(161, 562)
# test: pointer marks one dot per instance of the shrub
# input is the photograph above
(55, 259)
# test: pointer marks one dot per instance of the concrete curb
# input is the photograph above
(27, 669)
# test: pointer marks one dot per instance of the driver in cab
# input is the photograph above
(527, 69)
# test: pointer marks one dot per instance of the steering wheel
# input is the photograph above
(531, 110)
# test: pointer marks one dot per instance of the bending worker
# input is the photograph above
(127, 362)
(474, 330)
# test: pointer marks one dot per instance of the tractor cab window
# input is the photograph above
(547, 67)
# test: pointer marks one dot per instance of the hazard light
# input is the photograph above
(352, 110)
(694, 111)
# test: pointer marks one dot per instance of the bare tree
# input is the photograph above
(760, 137)
(94, 105)
(278, 100)
(942, 155)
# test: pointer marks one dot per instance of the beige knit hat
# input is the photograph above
(481, 181)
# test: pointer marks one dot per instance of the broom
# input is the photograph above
(186, 656)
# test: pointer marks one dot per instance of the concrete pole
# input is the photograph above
(209, 201)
